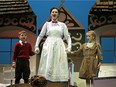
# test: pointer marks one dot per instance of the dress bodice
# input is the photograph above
(54, 30)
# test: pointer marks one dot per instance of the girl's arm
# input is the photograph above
(79, 51)
(99, 55)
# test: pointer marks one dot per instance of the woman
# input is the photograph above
(53, 63)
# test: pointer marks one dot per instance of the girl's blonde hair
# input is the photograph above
(92, 33)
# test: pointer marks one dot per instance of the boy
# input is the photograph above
(20, 59)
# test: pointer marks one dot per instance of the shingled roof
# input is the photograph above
(102, 13)
(14, 7)
(104, 6)
(17, 13)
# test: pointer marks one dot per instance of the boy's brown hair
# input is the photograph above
(21, 32)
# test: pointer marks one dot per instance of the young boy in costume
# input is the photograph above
(20, 59)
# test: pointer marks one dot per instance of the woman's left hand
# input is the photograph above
(68, 50)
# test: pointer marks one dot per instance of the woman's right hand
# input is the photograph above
(37, 50)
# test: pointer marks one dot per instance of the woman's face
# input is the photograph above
(90, 37)
(54, 14)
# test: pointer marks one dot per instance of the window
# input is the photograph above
(108, 49)
(6, 49)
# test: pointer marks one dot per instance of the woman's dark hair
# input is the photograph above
(56, 9)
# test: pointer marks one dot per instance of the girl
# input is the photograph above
(92, 58)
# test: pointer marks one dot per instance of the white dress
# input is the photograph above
(53, 63)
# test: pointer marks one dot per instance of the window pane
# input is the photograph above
(5, 58)
(108, 57)
(4, 44)
(107, 43)
(115, 44)
(13, 43)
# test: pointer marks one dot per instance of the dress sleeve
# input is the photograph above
(42, 33)
(99, 53)
(67, 36)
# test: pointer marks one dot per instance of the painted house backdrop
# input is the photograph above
(87, 13)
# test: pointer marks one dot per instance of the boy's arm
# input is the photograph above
(15, 52)
(31, 52)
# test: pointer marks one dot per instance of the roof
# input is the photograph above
(104, 6)
(14, 7)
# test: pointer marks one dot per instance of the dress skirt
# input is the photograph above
(53, 63)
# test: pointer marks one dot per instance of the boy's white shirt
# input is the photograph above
(21, 42)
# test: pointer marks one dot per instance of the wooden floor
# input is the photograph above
(106, 70)
(57, 85)
(48, 85)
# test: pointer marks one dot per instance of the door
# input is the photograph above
(108, 45)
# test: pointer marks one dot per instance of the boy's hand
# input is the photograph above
(13, 64)
(37, 50)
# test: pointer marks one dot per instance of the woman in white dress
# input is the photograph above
(53, 63)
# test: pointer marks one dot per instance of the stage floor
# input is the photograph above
(106, 70)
